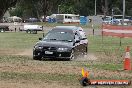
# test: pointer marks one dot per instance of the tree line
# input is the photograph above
(38, 8)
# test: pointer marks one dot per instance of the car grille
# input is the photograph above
(56, 54)
(49, 48)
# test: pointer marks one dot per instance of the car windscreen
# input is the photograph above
(59, 36)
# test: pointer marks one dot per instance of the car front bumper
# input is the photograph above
(52, 54)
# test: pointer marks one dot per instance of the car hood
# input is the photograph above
(55, 44)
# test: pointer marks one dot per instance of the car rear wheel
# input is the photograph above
(86, 50)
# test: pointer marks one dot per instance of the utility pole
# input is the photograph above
(112, 15)
(59, 9)
(123, 20)
(123, 12)
(95, 8)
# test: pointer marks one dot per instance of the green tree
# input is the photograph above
(38, 8)
(84, 7)
(5, 4)
(67, 7)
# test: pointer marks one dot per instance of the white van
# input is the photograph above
(67, 18)
(33, 27)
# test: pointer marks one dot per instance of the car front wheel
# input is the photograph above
(37, 57)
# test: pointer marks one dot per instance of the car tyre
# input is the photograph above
(86, 51)
(37, 57)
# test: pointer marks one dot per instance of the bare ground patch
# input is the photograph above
(111, 74)
(31, 66)
(21, 52)
(9, 51)
(89, 56)
(29, 52)
(26, 52)
(39, 69)
(33, 84)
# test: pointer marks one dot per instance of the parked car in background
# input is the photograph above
(129, 18)
(4, 28)
(32, 28)
(32, 20)
(62, 42)
(67, 18)
(109, 20)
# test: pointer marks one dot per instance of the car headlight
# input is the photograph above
(62, 49)
(38, 47)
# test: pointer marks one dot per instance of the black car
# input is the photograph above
(60, 42)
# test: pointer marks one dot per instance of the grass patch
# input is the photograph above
(112, 67)
(62, 78)
(22, 40)
(14, 59)
(28, 61)
(110, 46)
(11, 40)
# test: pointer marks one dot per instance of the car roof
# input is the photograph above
(69, 29)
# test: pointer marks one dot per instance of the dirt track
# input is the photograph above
(32, 84)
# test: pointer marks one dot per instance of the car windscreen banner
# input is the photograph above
(116, 30)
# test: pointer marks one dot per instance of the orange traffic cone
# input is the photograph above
(127, 62)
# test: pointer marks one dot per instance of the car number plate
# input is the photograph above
(48, 52)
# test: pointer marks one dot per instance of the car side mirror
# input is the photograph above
(83, 38)
(40, 38)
